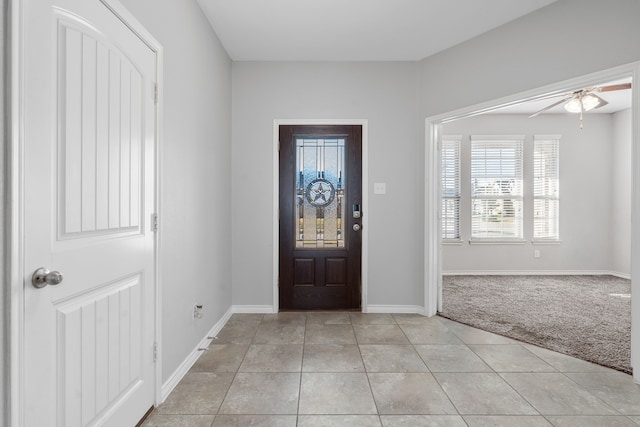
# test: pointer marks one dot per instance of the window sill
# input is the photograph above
(497, 242)
(452, 242)
(546, 242)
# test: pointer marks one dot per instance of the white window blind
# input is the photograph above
(546, 189)
(450, 169)
(496, 187)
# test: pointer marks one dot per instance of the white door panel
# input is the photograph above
(98, 161)
(89, 168)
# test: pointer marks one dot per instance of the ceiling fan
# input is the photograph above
(583, 100)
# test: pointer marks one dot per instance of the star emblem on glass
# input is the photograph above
(320, 192)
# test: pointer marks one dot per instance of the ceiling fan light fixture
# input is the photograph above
(588, 102)
(573, 106)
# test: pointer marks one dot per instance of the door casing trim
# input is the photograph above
(13, 391)
(365, 199)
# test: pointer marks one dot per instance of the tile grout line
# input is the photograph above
(235, 374)
(366, 373)
(586, 390)
(304, 344)
(492, 371)
(436, 379)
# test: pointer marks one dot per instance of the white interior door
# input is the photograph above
(88, 132)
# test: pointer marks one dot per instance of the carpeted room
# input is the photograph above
(526, 287)
(588, 317)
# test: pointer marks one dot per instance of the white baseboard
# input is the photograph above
(535, 273)
(391, 309)
(395, 309)
(621, 275)
(259, 309)
(182, 370)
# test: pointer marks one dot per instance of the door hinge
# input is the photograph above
(278, 145)
(154, 222)
(155, 93)
(155, 352)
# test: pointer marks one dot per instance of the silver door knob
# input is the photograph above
(356, 227)
(43, 277)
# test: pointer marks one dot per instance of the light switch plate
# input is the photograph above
(379, 188)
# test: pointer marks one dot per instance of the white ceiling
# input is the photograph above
(370, 30)
(354, 30)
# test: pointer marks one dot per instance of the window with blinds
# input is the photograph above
(496, 187)
(450, 155)
(546, 190)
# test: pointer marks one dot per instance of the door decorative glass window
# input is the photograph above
(320, 192)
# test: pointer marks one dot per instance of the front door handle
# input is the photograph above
(43, 277)
(356, 227)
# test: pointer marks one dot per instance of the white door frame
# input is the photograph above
(433, 238)
(13, 392)
(276, 199)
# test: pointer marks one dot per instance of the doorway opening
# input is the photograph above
(437, 127)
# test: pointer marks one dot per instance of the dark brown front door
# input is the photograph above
(320, 217)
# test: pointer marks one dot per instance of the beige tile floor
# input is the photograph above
(375, 370)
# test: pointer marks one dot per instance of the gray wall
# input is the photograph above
(621, 193)
(383, 93)
(196, 151)
(588, 170)
(536, 50)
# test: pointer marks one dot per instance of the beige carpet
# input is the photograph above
(588, 317)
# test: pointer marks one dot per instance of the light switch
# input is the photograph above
(379, 188)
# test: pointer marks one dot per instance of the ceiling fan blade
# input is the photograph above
(550, 107)
(602, 101)
(614, 87)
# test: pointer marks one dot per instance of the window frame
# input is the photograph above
(454, 143)
(498, 142)
(550, 193)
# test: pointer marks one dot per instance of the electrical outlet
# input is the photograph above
(197, 311)
(536, 254)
